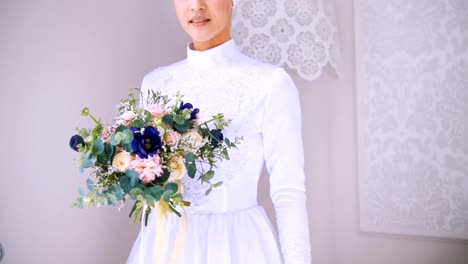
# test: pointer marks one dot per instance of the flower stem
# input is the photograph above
(94, 119)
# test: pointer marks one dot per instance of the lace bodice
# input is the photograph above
(263, 104)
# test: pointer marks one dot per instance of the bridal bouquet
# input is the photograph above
(146, 151)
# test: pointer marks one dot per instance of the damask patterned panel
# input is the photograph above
(412, 109)
(298, 34)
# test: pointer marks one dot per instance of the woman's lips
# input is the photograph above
(199, 21)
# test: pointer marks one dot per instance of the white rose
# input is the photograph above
(177, 166)
(122, 160)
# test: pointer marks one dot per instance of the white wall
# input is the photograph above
(349, 244)
(56, 57)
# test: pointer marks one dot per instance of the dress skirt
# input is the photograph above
(238, 237)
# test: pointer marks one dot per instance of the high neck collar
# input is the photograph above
(219, 54)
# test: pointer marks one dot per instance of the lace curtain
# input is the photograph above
(412, 91)
(298, 34)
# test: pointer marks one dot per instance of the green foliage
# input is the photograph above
(207, 176)
(133, 176)
(108, 186)
(168, 120)
(122, 135)
(164, 177)
(98, 146)
(172, 186)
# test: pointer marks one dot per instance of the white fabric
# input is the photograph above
(228, 226)
(299, 34)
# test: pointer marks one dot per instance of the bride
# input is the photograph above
(228, 226)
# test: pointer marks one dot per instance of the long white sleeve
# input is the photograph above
(283, 152)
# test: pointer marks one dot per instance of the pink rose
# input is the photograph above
(172, 138)
(156, 110)
(148, 168)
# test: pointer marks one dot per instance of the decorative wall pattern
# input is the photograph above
(412, 92)
(298, 34)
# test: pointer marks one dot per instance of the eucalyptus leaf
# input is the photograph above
(127, 147)
(167, 195)
(189, 157)
(135, 192)
(171, 186)
(164, 176)
(138, 123)
(128, 136)
(179, 119)
(81, 191)
(117, 191)
(119, 137)
(182, 127)
(226, 154)
(98, 146)
(168, 120)
(218, 184)
(121, 128)
(111, 199)
(109, 151)
(113, 141)
(133, 176)
(89, 184)
(191, 170)
(149, 199)
(125, 184)
(208, 176)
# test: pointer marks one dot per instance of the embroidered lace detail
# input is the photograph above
(194, 191)
(301, 34)
(211, 97)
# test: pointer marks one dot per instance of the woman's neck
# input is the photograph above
(216, 41)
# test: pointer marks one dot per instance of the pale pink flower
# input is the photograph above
(172, 138)
(107, 133)
(126, 118)
(156, 110)
(148, 168)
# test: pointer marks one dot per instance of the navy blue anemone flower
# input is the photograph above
(193, 113)
(217, 137)
(147, 143)
(75, 141)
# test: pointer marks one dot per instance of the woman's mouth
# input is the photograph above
(199, 21)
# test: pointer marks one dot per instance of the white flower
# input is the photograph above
(122, 160)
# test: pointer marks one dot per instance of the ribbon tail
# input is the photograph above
(178, 249)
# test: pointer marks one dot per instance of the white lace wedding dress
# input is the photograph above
(228, 226)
